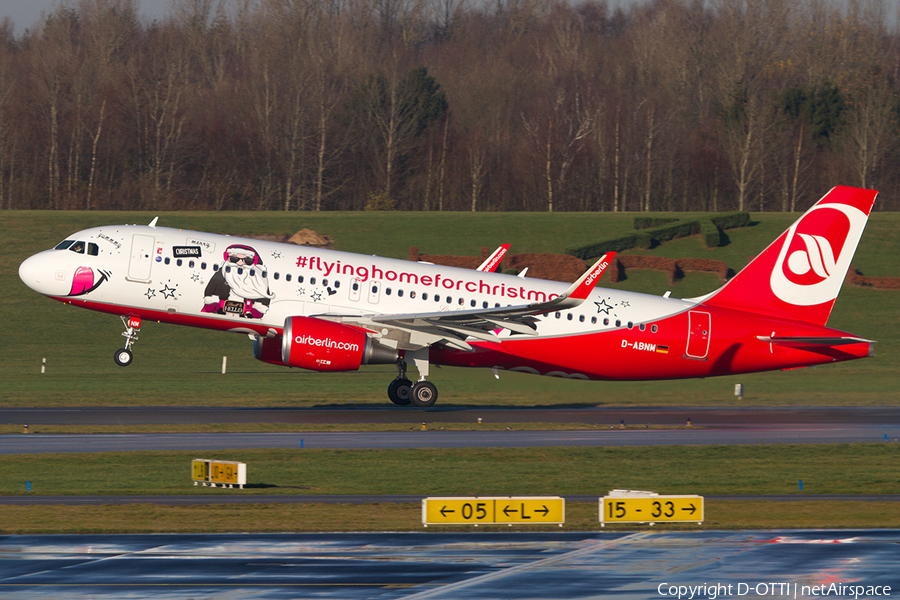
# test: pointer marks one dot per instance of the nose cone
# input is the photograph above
(43, 274)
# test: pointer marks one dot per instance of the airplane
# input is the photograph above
(327, 310)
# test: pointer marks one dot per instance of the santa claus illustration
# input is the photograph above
(240, 286)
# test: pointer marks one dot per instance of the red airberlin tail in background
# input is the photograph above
(800, 274)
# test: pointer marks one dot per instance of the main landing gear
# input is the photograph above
(123, 356)
(403, 392)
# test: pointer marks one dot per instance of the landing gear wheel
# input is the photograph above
(123, 357)
(423, 394)
(399, 391)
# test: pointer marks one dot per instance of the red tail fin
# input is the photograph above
(801, 272)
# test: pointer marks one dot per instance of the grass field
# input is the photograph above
(711, 470)
(705, 470)
(180, 366)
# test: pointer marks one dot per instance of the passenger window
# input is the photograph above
(630, 325)
(387, 291)
(202, 266)
(178, 263)
(484, 304)
(437, 298)
(654, 328)
(461, 301)
(399, 293)
(581, 318)
(618, 323)
(215, 266)
(642, 327)
(287, 277)
(299, 279)
(412, 294)
(424, 295)
(472, 303)
(324, 282)
(593, 320)
(167, 260)
(606, 321)
(558, 315)
(277, 275)
(228, 268)
(312, 280)
(191, 264)
(569, 316)
(252, 272)
(355, 287)
(337, 284)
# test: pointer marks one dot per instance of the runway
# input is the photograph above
(735, 417)
(76, 443)
(457, 566)
(708, 427)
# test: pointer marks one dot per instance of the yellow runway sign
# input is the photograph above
(494, 510)
(651, 509)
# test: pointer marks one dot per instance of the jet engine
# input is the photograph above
(320, 345)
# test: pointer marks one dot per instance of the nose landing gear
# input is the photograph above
(123, 356)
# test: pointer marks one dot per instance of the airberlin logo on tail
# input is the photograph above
(816, 254)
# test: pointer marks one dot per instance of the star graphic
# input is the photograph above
(316, 296)
(625, 304)
(195, 277)
(168, 292)
(150, 293)
(276, 254)
(301, 291)
(603, 307)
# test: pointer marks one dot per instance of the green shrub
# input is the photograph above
(595, 249)
(648, 222)
(711, 234)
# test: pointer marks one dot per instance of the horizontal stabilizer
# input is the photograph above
(800, 342)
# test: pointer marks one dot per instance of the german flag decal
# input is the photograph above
(662, 349)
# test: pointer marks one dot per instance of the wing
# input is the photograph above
(416, 330)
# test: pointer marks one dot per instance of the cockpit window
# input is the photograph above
(93, 249)
(64, 244)
(77, 247)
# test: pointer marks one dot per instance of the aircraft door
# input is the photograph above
(141, 257)
(355, 286)
(699, 328)
(374, 292)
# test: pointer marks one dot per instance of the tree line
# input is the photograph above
(494, 105)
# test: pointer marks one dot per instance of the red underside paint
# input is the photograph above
(678, 349)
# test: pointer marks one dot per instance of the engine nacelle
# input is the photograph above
(268, 350)
(320, 345)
